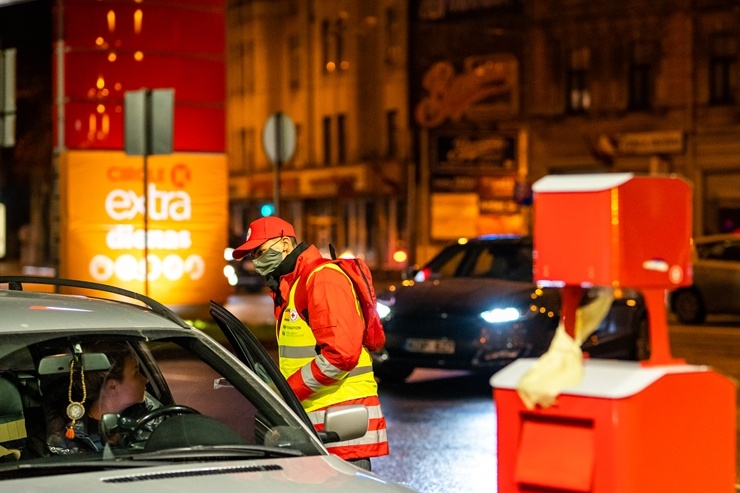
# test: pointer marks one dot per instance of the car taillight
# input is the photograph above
(423, 275)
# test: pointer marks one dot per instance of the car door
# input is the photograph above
(717, 275)
(252, 353)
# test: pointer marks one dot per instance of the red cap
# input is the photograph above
(260, 231)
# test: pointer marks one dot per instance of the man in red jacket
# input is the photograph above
(319, 332)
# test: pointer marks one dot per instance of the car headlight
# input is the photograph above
(500, 315)
(382, 309)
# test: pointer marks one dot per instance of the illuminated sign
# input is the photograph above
(659, 142)
(488, 87)
(105, 236)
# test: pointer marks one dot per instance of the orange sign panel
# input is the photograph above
(108, 225)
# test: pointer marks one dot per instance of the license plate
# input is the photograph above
(438, 346)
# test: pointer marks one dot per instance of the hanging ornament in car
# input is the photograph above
(75, 410)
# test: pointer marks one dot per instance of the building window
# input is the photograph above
(294, 63)
(391, 124)
(642, 58)
(249, 148)
(247, 67)
(722, 61)
(327, 139)
(298, 158)
(392, 48)
(236, 161)
(579, 65)
(240, 57)
(370, 225)
(326, 45)
(339, 44)
(243, 152)
(342, 138)
(332, 45)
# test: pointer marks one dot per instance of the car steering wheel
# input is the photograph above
(145, 420)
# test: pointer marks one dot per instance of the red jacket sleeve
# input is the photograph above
(338, 328)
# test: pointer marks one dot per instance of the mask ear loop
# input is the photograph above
(75, 410)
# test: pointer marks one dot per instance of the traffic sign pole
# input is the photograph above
(278, 163)
(278, 140)
(148, 128)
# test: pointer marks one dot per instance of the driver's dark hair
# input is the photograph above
(117, 352)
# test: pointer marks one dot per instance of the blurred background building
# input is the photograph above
(338, 70)
(420, 121)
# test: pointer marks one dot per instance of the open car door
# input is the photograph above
(252, 353)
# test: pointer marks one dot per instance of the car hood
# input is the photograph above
(319, 474)
(457, 293)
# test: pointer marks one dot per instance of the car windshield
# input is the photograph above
(507, 260)
(68, 400)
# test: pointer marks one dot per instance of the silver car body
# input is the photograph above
(716, 280)
(42, 318)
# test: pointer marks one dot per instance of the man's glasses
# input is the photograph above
(261, 251)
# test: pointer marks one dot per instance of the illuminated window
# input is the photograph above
(722, 67)
(578, 95)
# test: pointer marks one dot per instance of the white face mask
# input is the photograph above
(268, 261)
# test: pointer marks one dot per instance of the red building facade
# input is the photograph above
(152, 224)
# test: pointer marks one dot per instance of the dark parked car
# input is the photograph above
(474, 307)
(716, 283)
(241, 274)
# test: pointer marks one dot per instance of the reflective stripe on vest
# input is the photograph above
(297, 348)
(375, 441)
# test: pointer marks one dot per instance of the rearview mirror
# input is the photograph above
(53, 365)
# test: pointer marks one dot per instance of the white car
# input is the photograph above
(716, 280)
(219, 417)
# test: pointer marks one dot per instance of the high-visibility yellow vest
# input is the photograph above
(297, 347)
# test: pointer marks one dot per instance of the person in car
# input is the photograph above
(120, 389)
(320, 351)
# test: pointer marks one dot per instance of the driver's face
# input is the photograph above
(132, 387)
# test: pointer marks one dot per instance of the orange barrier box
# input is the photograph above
(625, 429)
(612, 229)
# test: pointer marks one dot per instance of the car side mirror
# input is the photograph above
(343, 423)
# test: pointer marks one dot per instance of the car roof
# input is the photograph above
(30, 310)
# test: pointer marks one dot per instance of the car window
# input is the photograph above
(512, 262)
(195, 384)
(498, 260)
(490, 264)
(197, 395)
(448, 262)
